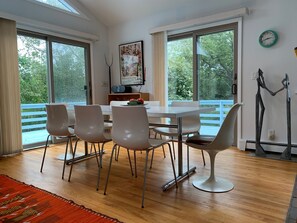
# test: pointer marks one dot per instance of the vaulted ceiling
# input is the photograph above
(114, 12)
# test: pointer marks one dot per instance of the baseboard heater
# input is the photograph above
(271, 144)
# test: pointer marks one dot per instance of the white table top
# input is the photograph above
(165, 111)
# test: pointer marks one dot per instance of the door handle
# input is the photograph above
(234, 89)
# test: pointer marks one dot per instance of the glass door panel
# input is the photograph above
(216, 74)
(32, 53)
(69, 74)
(180, 69)
(52, 70)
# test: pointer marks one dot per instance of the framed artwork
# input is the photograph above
(131, 63)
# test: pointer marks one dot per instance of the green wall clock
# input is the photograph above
(268, 38)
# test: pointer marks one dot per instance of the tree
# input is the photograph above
(215, 67)
(33, 70)
(180, 64)
(68, 71)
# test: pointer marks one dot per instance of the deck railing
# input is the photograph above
(216, 117)
(34, 115)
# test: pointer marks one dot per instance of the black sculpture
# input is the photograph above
(287, 152)
(259, 116)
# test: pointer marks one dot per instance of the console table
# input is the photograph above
(127, 96)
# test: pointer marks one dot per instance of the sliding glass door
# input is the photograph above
(202, 65)
(52, 70)
(215, 73)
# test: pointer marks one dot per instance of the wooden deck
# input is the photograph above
(262, 190)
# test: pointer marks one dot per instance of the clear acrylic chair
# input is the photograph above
(131, 131)
(223, 140)
(57, 125)
(89, 127)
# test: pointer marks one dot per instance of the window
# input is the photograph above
(60, 4)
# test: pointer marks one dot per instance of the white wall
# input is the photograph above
(37, 14)
(275, 62)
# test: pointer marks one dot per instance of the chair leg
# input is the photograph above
(135, 167)
(151, 165)
(65, 157)
(153, 152)
(188, 160)
(144, 181)
(106, 182)
(162, 146)
(115, 157)
(73, 156)
(91, 147)
(117, 153)
(130, 162)
(173, 147)
(44, 152)
(203, 157)
(164, 152)
(100, 164)
(101, 154)
(96, 154)
(172, 162)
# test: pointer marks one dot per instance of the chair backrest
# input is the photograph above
(118, 103)
(130, 128)
(151, 104)
(57, 120)
(190, 123)
(225, 136)
(89, 123)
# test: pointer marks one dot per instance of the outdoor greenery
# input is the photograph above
(33, 70)
(68, 68)
(215, 67)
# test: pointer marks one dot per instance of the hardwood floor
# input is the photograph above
(262, 190)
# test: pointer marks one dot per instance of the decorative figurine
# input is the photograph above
(260, 105)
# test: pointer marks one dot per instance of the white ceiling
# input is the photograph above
(114, 12)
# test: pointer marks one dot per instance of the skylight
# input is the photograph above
(60, 4)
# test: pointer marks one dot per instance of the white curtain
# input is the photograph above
(10, 113)
(160, 67)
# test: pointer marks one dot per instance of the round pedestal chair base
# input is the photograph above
(217, 185)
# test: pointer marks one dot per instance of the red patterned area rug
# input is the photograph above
(20, 202)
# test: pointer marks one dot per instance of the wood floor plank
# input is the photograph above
(262, 190)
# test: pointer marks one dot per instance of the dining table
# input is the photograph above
(170, 112)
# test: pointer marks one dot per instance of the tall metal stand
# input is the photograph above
(287, 152)
(109, 72)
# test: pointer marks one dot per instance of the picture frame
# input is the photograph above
(131, 63)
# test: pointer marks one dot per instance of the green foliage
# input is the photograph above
(33, 70)
(68, 69)
(69, 73)
(180, 72)
(214, 62)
